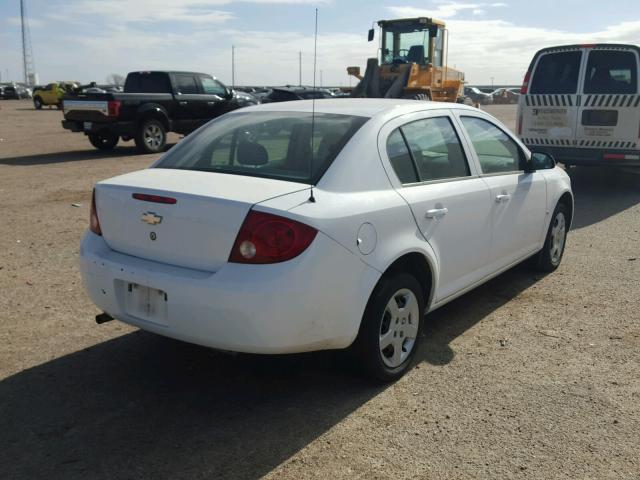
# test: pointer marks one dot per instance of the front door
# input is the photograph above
(450, 203)
(518, 199)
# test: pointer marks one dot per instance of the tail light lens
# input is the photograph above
(94, 223)
(266, 238)
(114, 108)
(525, 83)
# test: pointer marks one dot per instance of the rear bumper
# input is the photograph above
(590, 156)
(313, 302)
(126, 129)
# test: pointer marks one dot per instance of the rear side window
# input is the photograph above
(152, 82)
(436, 149)
(277, 145)
(557, 73)
(496, 151)
(611, 71)
(400, 158)
(186, 84)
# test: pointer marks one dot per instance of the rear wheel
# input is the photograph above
(549, 258)
(103, 140)
(422, 96)
(151, 136)
(390, 329)
(37, 102)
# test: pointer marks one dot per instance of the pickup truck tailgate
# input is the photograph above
(83, 106)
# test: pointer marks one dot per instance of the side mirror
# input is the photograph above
(542, 161)
(370, 35)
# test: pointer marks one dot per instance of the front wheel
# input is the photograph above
(103, 140)
(37, 102)
(549, 258)
(390, 329)
(151, 137)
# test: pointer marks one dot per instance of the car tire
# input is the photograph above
(104, 140)
(548, 259)
(37, 102)
(390, 330)
(151, 136)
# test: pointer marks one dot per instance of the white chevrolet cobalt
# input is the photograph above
(292, 227)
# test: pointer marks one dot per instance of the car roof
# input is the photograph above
(363, 107)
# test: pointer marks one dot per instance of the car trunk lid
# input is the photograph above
(197, 230)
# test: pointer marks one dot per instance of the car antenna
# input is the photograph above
(312, 199)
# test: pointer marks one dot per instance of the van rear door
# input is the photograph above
(609, 114)
(548, 110)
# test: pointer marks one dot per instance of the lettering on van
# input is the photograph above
(598, 132)
(547, 118)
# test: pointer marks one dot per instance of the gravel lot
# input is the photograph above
(526, 377)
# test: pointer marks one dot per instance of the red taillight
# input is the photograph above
(525, 83)
(154, 198)
(114, 108)
(267, 238)
(94, 223)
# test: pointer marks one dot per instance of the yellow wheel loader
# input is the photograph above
(411, 63)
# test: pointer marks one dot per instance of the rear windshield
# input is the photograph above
(557, 73)
(610, 71)
(151, 82)
(266, 144)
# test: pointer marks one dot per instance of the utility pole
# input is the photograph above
(300, 68)
(320, 78)
(27, 54)
(233, 66)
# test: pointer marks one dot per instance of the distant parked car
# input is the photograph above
(14, 91)
(505, 96)
(288, 94)
(478, 96)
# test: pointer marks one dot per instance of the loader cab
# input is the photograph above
(416, 40)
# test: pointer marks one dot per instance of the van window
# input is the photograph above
(611, 71)
(557, 73)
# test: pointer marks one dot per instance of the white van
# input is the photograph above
(581, 104)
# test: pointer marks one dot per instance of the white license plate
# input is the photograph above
(87, 125)
(146, 303)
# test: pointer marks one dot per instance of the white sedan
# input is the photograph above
(286, 228)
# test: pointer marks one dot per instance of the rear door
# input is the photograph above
(609, 116)
(548, 112)
(191, 111)
(518, 199)
(450, 203)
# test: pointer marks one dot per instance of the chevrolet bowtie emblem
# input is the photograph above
(151, 218)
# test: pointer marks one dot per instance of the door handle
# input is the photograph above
(436, 212)
(212, 103)
(505, 197)
(182, 103)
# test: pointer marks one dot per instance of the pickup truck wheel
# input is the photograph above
(37, 102)
(104, 140)
(151, 137)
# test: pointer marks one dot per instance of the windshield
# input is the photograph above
(266, 144)
(405, 44)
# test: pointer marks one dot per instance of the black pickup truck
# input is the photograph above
(152, 104)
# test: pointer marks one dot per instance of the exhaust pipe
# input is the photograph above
(103, 318)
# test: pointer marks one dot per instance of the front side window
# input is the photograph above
(436, 149)
(610, 71)
(497, 152)
(557, 73)
(266, 144)
(213, 87)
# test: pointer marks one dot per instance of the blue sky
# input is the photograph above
(89, 39)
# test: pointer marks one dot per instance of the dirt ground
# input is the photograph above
(528, 376)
